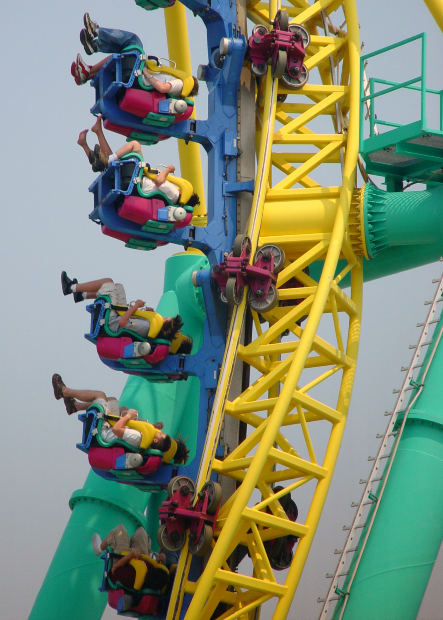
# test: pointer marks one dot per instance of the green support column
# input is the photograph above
(403, 543)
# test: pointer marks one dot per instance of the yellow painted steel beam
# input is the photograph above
(436, 9)
(189, 154)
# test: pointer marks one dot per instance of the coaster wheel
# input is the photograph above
(203, 545)
(181, 482)
(301, 34)
(281, 20)
(296, 81)
(234, 293)
(215, 494)
(279, 62)
(266, 304)
(240, 243)
(258, 70)
(279, 255)
(175, 543)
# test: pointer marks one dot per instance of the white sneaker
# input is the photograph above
(179, 214)
(178, 106)
(141, 349)
(96, 544)
(133, 460)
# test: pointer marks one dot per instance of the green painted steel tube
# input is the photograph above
(70, 589)
(402, 230)
(407, 531)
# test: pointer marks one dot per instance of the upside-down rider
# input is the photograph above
(139, 434)
(95, 38)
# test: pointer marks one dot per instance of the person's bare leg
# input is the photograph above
(91, 287)
(94, 69)
(98, 130)
(129, 147)
(81, 141)
(84, 397)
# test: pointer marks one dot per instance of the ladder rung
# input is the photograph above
(365, 481)
(383, 456)
(406, 389)
(346, 528)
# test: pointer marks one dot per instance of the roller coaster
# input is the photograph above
(269, 284)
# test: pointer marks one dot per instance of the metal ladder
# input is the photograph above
(387, 444)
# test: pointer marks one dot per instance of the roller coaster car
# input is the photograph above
(119, 191)
(145, 601)
(178, 514)
(109, 459)
(235, 273)
(129, 106)
(116, 348)
(283, 48)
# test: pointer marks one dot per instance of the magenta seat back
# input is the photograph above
(140, 102)
(112, 348)
(140, 210)
(104, 458)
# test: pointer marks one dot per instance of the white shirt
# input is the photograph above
(176, 84)
(171, 190)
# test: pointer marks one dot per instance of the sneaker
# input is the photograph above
(141, 349)
(70, 406)
(83, 69)
(67, 282)
(78, 297)
(75, 74)
(96, 544)
(88, 42)
(90, 26)
(133, 460)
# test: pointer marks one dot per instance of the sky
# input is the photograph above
(46, 229)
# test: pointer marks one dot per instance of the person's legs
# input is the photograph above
(94, 69)
(91, 287)
(85, 396)
(81, 141)
(118, 539)
(140, 540)
(98, 130)
(129, 147)
(113, 40)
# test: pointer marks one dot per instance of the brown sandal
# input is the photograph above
(70, 405)
(57, 385)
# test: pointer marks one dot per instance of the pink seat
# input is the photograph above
(141, 102)
(104, 458)
(140, 210)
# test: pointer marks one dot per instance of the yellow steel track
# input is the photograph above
(295, 408)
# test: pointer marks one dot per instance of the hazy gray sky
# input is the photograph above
(46, 229)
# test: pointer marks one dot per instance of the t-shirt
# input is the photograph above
(130, 435)
(170, 189)
(176, 84)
